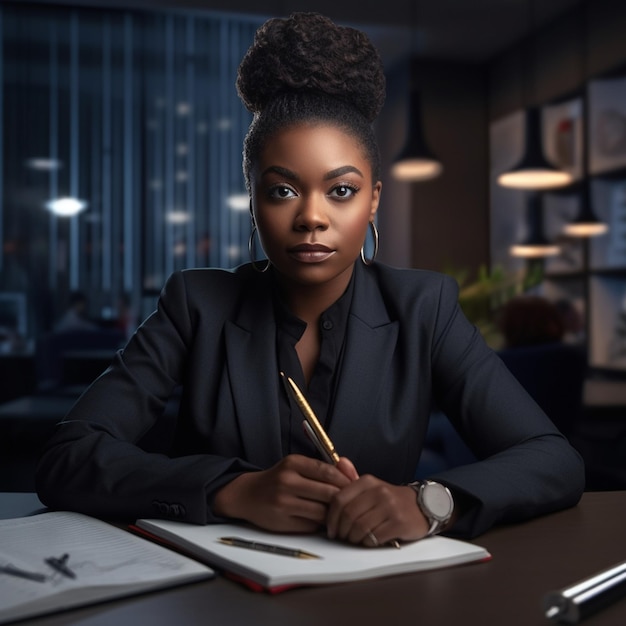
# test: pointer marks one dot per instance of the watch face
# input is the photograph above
(437, 500)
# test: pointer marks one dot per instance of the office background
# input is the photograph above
(126, 113)
(130, 108)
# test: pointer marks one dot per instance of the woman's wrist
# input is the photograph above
(227, 502)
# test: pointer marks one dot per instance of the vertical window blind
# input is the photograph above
(120, 152)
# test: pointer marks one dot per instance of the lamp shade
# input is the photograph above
(534, 250)
(586, 223)
(534, 171)
(415, 162)
(535, 245)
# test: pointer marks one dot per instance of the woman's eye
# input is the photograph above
(343, 191)
(280, 192)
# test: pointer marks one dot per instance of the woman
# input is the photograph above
(372, 347)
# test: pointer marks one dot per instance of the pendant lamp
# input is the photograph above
(535, 245)
(533, 171)
(416, 162)
(586, 223)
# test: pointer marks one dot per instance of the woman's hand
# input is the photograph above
(291, 496)
(373, 512)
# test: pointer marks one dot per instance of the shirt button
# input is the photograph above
(327, 325)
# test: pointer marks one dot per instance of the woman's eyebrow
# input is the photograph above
(282, 171)
(291, 175)
(340, 171)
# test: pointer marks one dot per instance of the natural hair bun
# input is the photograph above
(309, 52)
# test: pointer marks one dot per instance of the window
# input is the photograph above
(120, 152)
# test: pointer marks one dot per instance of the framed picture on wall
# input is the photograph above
(607, 125)
(563, 136)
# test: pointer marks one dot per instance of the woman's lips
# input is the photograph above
(311, 253)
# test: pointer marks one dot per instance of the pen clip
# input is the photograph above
(60, 565)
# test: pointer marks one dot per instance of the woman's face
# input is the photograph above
(312, 200)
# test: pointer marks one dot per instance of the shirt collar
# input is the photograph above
(336, 314)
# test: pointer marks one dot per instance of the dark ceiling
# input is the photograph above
(469, 30)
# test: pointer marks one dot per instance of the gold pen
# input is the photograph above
(312, 425)
(238, 542)
(317, 433)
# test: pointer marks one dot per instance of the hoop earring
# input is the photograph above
(375, 235)
(251, 253)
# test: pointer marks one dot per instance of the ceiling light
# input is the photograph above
(177, 217)
(534, 250)
(44, 164)
(415, 162)
(534, 171)
(586, 223)
(66, 207)
(238, 201)
(535, 245)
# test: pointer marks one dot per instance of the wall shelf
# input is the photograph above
(586, 136)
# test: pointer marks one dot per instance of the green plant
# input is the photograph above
(482, 299)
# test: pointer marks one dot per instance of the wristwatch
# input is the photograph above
(435, 502)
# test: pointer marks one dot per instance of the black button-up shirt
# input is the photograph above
(322, 387)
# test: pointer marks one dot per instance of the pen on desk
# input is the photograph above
(11, 570)
(574, 603)
(317, 434)
(238, 542)
(60, 565)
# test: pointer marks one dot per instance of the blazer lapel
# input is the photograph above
(253, 369)
(370, 344)
(253, 372)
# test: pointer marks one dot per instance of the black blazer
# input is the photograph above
(408, 346)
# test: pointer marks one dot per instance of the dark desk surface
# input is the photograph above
(528, 560)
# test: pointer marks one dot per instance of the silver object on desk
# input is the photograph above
(574, 603)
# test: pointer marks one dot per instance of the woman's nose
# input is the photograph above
(311, 215)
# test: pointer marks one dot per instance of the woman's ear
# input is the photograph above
(376, 190)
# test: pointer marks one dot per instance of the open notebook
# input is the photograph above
(337, 562)
(59, 560)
